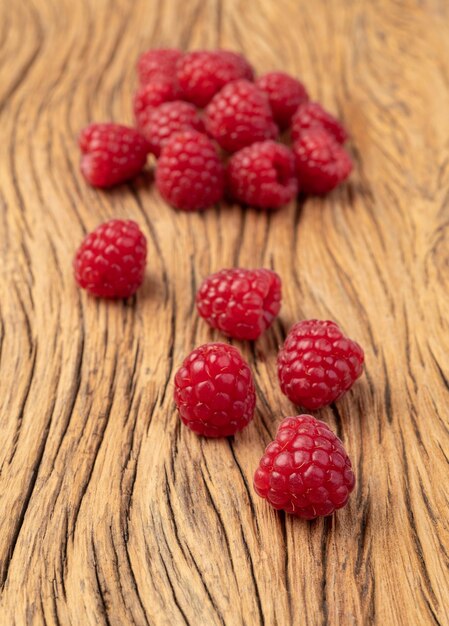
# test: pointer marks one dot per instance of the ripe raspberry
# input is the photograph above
(189, 174)
(311, 115)
(151, 95)
(110, 263)
(285, 94)
(241, 303)
(245, 69)
(111, 153)
(317, 363)
(202, 73)
(214, 391)
(240, 115)
(262, 175)
(157, 62)
(305, 470)
(160, 124)
(321, 162)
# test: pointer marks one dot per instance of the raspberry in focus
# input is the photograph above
(158, 125)
(157, 62)
(318, 363)
(262, 175)
(111, 153)
(214, 391)
(202, 73)
(110, 263)
(285, 94)
(240, 115)
(310, 115)
(190, 174)
(153, 94)
(321, 162)
(305, 471)
(241, 303)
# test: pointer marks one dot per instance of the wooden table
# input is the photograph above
(114, 513)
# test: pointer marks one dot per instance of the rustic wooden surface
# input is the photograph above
(111, 511)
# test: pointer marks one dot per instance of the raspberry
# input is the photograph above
(157, 62)
(161, 123)
(311, 115)
(158, 91)
(317, 363)
(241, 303)
(202, 73)
(321, 162)
(110, 263)
(305, 470)
(245, 69)
(189, 174)
(262, 175)
(240, 115)
(285, 94)
(214, 391)
(111, 153)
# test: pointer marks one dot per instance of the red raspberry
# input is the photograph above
(240, 115)
(157, 62)
(285, 94)
(110, 263)
(305, 470)
(321, 162)
(160, 124)
(241, 303)
(245, 69)
(214, 391)
(202, 73)
(311, 115)
(111, 153)
(147, 97)
(317, 363)
(189, 174)
(262, 175)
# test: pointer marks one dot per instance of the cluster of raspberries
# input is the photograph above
(305, 470)
(215, 131)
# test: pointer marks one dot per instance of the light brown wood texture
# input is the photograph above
(112, 512)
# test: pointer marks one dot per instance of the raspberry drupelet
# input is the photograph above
(305, 471)
(110, 263)
(318, 363)
(241, 303)
(214, 391)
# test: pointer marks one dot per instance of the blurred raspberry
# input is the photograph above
(190, 174)
(321, 162)
(285, 94)
(262, 175)
(240, 115)
(202, 73)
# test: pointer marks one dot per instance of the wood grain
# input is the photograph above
(111, 512)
